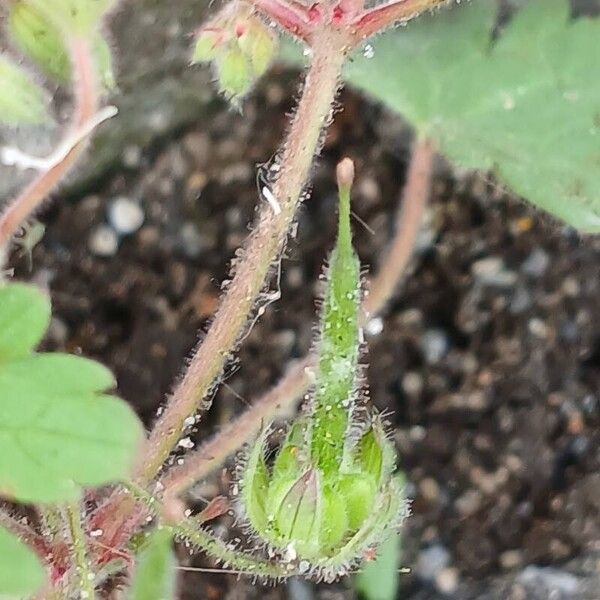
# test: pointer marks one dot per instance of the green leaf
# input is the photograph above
(72, 16)
(378, 580)
(24, 318)
(21, 573)
(58, 431)
(526, 106)
(154, 577)
(22, 100)
(44, 43)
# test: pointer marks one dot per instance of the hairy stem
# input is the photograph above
(299, 377)
(27, 535)
(29, 200)
(262, 249)
(212, 454)
(382, 16)
(83, 573)
(190, 532)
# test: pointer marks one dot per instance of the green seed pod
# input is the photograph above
(329, 494)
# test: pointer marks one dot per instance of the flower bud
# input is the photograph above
(329, 495)
(239, 44)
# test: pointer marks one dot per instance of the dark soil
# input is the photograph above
(489, 360)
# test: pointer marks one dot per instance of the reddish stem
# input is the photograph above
(291, 16)
(382, 16)
(86, 101)
(415, 196)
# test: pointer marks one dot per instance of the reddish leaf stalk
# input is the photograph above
(86, 103)
(415, 196)
(381, 17)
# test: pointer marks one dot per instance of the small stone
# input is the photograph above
(491, 271)
(103, 241)
(132, 157)
(520, 301)
(538, 328)
(190, 240)
(556, 583)
(431, 561)
(374, 326)
(125, 215)
(434, 345)
(446, 580)
(469, 503)
(430, 490)
(536, 264)
(412, 383)
(511, 559)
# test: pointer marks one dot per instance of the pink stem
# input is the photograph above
(86, 101)
(291, 16)
(415, 196)
(385, 15)
(212, 454)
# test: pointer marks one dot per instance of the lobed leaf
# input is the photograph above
(526, 106)
(43, 41)
(21, 572)
(24, 318)
(154, 577)
(22, 100)
(58, 430)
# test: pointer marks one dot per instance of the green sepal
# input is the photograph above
(235, 77)
(206, 47)
(255, 484)
(358, 492)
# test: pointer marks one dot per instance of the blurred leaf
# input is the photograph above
(21, 100)
(154, 577)
(58, 431)
(526, 106)
(21, 572)
(24, 318)
(44, 43)
(80, 17)
(378, 579)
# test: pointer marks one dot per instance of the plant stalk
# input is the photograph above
(262, 250)
(84, 575)
(382, 16)
(86, 103)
